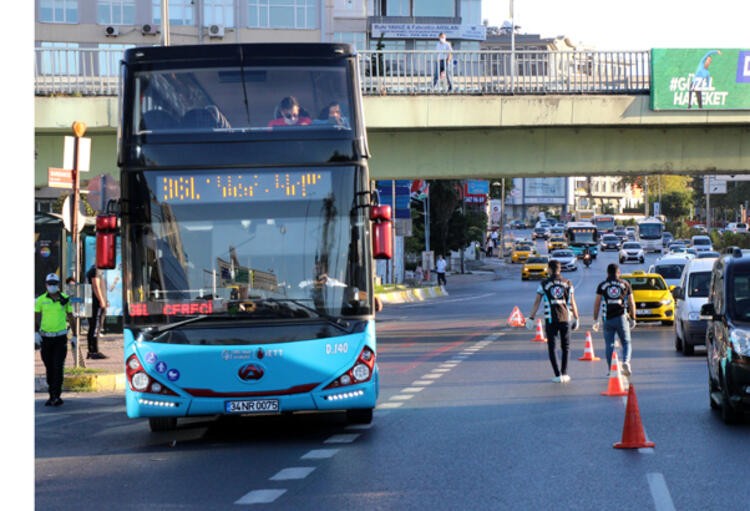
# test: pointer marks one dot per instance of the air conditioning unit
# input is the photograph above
(111, 31)
(216, 30)
(148, 29)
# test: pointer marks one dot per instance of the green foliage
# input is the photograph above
(729, 239)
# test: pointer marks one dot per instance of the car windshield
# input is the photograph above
(610, 238)
(698, 284)
(536, 260)
(646, 283)
(562, 253)
(670, 271)
(701, 241)
(739, 301)
(631, 246)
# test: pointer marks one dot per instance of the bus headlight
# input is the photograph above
(140, 381)
(361, 372)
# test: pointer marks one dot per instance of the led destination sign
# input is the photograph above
(177, 188)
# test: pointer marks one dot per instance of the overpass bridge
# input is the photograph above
(548, 122)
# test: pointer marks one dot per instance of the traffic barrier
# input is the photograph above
(588, 350)
(516, 319)
(633, 435)
(539, 332)
(615, 387)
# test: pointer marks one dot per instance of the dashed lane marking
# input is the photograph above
(260, 497)
(660, 492)
(345, 438)
(391, 405)
(319, 454)
(413, 389)
(402, 397)
(292, 473)
(423, 382)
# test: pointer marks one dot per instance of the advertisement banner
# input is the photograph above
(544, 190)
(428, 31)
(700, 79)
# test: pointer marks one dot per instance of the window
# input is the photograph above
(434, 8)
(301, 14)
(58, 11)
(471, 12)
(180, 12)
(59, 60)
(109, 58)
(218, 12)
(115, 12)
(356, 39)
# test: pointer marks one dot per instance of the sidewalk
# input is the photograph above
(109, 375)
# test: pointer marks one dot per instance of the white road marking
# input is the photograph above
(442, 370)
(345, 438)
(449, 365)
(391, 405)
(433, 376)
(260, 497)
(319, 454)
(660, 492)
(292, 473)
(413, 389)
(422, 382)
(359, 426)
(402, 397)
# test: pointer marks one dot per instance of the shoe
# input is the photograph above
(57, 402)
(49, 402)
(565, 378)
(626, 368)
(557, 379)
(97, 355)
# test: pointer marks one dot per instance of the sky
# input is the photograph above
(632, 24)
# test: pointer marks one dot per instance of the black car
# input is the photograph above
(610, 242)
(728, 336)
(540, 233)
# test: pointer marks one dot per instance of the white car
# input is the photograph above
(670, 267)
(701, 243)
(690, 295)
(568, 260)
(631, 251)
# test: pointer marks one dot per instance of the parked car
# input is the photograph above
(728, 335)
(653, 298)
(568, 260)
(701, 243)
(690, 295)
(631, 251)
(610, 242)
(535, 267)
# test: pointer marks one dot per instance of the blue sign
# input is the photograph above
(403, 196)
(475, 187)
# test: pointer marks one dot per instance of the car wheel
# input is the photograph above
(524, 278)
(711, 389)
(641, 260)
(667, 323)
(677, 342)
(688, 349)
(157, 424)
(359, 416)
(728, 413)
(622, 260)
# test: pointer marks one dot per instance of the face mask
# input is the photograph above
(442, 39)
(53, 289)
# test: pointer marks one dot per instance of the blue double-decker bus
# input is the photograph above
(249, 225)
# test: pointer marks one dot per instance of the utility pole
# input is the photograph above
(79, 130)
(165, 23)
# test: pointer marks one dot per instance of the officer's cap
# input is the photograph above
(52, 277)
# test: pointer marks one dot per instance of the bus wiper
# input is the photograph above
(169, 326)
(244, 86)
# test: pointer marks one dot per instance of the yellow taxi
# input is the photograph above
(556, 242)
(653, 297)
(522, 251)
(535, 267)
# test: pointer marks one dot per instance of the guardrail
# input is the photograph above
(95, 72)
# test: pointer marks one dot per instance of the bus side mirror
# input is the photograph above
(382, 230)
(106, 233)
(707, 311)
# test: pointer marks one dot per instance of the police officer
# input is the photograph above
(614, 297)
(561, 316)
(53, 312)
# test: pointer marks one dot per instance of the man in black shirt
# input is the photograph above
(98, 311)
(614, 297)
(561, 315)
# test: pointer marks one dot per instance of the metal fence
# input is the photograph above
(94, 72)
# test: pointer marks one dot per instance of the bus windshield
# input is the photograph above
(241, 99)
(604, 223)
(650, 231)
(582, 235)
(201, 241)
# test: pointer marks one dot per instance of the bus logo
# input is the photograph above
(250, 372)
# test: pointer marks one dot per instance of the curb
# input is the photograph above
(85, 383)
(413, 295)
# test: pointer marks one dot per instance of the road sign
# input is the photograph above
(731, 177)
(59, 178)
(713, 186)
(84, 153)
(67, 216)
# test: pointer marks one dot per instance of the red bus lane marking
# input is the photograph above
(432, 354)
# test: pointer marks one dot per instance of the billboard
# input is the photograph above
(700, 79)
(545, 190)
(403, 196)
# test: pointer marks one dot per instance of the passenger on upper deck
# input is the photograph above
(289, 113)
(331, 116)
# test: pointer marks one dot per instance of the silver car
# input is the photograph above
(568, 260)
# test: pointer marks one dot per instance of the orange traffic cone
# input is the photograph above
(615, 387)
(588, 350)
(633, 436)
(516, 319)
(539, 332)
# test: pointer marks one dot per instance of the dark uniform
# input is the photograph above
(615, 293)
(98, 310)
(557, 293)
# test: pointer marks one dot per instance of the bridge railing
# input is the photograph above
(95, 72)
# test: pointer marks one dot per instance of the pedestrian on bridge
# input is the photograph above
(444, 62)
(561, 316)
(614, 298)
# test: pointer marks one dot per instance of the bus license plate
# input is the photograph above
(253, 406)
